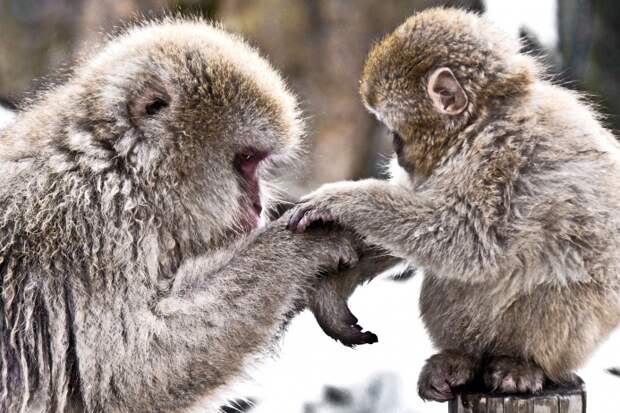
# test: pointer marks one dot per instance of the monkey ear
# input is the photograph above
(446, 92)
(148, 103)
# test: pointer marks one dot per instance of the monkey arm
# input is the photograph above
(187, 344)
(329, 300)
(373, 260)
(430, 229)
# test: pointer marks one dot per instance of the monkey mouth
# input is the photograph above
(252, 206)
(251, 218)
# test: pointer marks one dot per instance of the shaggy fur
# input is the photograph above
(130, 279)
(512, 206)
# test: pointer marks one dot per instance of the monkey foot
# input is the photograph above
(443, 373)
(511, 375)
(341, 325)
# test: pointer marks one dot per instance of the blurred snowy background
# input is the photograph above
(320, 46)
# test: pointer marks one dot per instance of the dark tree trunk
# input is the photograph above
(590, 50)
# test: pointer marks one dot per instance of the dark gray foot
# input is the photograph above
(443, 373)
(511, 375)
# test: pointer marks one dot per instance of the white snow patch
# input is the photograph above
(538, 16)
(309, 360)
(6, 116)
(601, 386)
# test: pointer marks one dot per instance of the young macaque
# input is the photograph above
(507, 194)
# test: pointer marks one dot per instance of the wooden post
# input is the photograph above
(567, 399)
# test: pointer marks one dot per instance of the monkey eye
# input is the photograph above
(397, 143)
(155, 106)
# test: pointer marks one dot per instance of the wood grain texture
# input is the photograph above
(568, 399)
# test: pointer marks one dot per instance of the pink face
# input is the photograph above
(246, 163)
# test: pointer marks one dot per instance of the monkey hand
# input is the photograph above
(341, 248)
(332, 247)
(332, 313)
(321, 206)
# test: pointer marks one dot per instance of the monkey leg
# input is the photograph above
(512, 375)
(443, 373)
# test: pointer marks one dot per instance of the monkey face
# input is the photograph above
(435, 73)
(194, 111)
(416, 82)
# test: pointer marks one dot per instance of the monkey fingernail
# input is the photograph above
(304, 223)
(300, 220)
(294, 220)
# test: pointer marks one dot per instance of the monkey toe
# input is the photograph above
(511, 375)
(443, 374)
(435, 390)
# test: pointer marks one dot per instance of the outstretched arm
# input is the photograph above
(427, 228)
(184, 346)
(329, 300)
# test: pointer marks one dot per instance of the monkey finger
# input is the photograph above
(355, 337)
(305, 222)
(435, 387)
(341, 325)
(294, 220)
(304, 216)
(346, 257)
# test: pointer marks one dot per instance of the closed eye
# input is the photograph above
(397, 143)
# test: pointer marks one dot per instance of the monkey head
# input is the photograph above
(435, 74)
(185, 109)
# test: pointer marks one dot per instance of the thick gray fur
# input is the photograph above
(130, 280)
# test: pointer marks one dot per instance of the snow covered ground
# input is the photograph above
(309, 360)
(6, 116)
(380, 378)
